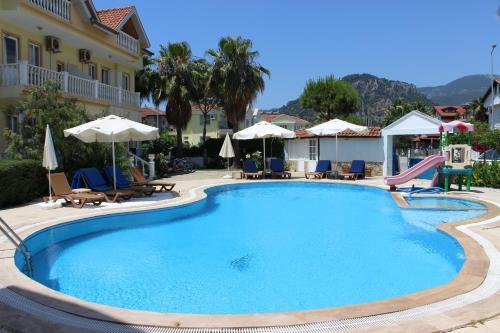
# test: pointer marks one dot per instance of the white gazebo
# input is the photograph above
(413, 123)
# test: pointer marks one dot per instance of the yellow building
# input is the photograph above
(93, 54)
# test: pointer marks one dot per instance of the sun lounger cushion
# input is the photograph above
(95, 180)
(121, 181)
(249, 166)
(323, 166)
(277, 165)
(357, 167)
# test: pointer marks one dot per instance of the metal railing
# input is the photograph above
(59, 8)
(29, 75)
(138, 161)
(18, 243)
(127, 42)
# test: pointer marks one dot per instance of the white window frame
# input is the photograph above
(13, 123)
(92, 71)
(125, 81)
(60, 65)
(106, 79)
(4, 48)
(31, 52)
(313, 149)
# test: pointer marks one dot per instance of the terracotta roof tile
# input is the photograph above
(149, 111)
(114, 16)
(269, 118)
(373, 132)
(456, 110)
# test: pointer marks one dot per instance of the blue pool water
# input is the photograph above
(443, 202)
(248, 248)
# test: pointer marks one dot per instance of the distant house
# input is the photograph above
(491, 102)
(291, 123)
(306, 149)
(154, 117)
(447, 113)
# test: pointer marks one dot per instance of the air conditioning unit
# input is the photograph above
(84, 55)
(53, 44)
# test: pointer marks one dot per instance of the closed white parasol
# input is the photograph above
(263, 130)
(49, 157)
(227, 151)
(113, 129)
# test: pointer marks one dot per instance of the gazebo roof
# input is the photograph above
(413, 123)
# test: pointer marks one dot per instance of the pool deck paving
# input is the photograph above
(481, 316)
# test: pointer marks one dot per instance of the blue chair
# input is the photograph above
(250, 170)
(323, 169)
(357, 169)
(94, 180)
(123, 183)
(278, 169)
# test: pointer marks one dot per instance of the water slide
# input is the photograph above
(419, 168)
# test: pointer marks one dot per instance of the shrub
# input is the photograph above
(484, 174)
(21, 181)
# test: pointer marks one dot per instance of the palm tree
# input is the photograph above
(149, 84)
(204, 94)
(143, 82)
(239, 78)
(175, 70)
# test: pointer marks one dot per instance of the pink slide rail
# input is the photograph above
(419, 168)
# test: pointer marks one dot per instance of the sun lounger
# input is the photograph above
(78, 198)
(323, 168)
(278, 169)
(95, 181)
(250, 170)
(356, 171)
(122, 182)
(139, 179)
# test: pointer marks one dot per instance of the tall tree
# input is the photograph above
(240, 79)
(175, 69)
(399, 108)
(477, 110)
(330, 98)
(204, 93)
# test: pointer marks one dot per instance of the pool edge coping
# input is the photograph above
(470, 277)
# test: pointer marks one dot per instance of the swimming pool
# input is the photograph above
(260, 247)
(443, 202)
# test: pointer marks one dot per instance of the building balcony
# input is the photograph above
(127, 42)
(59, 8)
(25, 75)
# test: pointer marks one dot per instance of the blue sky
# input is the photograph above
(426, 42)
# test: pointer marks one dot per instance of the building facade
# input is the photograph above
(291, 123)
(92, 54)
(491, 101)
(447, 113)
(306, 149)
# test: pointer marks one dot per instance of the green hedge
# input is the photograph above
(21, 181)
(485, 174)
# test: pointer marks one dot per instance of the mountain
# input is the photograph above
(376, 93)
(459, 91)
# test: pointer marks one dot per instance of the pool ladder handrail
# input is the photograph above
(18, 243)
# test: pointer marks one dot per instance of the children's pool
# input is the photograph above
(260, 247)
(443, 202)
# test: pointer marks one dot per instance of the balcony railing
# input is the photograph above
(60, 8)
(128, 42)
(23, 74)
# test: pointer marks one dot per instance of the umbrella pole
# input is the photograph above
(114, 166)
(264, 165)
(50, 187)
(336, 152)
